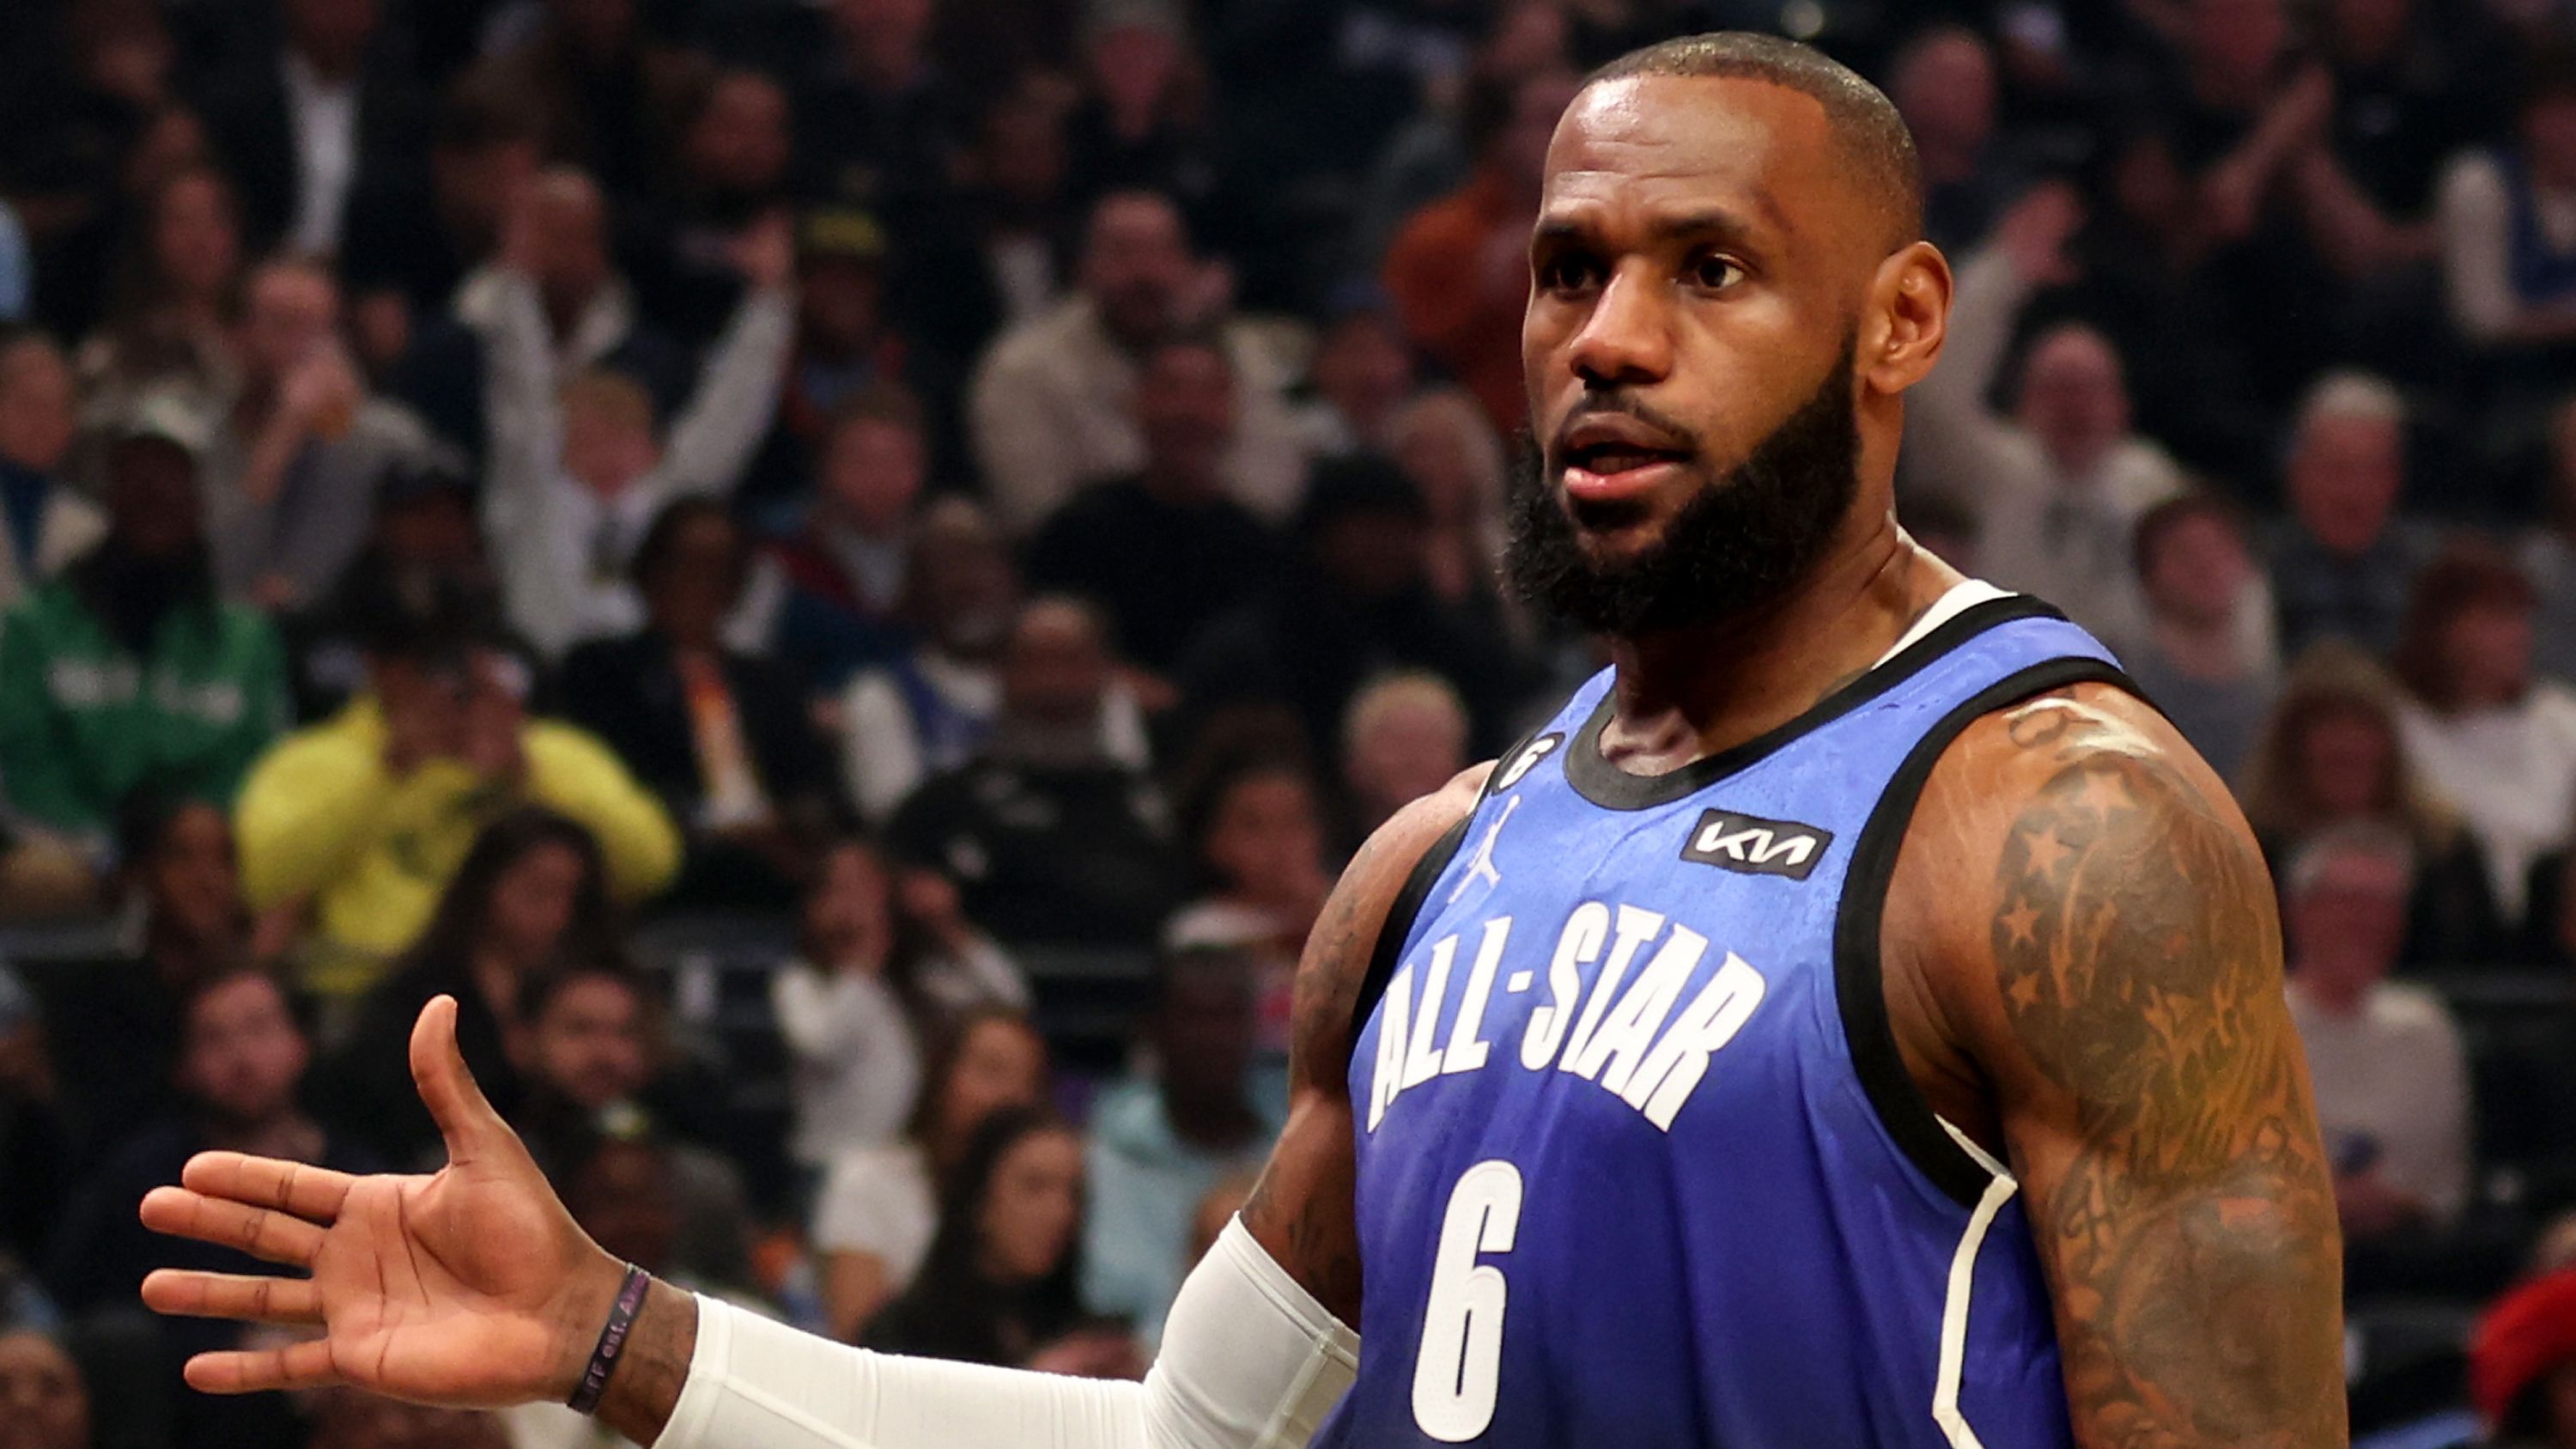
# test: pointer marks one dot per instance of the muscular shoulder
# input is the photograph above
(2074, 871)
(2095, 937)
(1345, 937)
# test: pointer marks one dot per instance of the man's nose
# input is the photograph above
(1628, 338)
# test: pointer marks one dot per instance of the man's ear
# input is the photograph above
(1908, 318)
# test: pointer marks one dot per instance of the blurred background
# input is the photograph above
(845, 573)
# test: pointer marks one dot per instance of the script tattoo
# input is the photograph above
(2191, 1240)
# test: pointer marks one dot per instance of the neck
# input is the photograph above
(1693, 692)
(563, 311)
(2076, 461)
(328, 68)
(1132, 343)
(2200, 649)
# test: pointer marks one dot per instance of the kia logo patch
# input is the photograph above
(1755, 846)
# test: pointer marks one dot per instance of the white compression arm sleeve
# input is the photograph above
(1250, 1361)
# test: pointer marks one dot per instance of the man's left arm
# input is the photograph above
(2114, 972)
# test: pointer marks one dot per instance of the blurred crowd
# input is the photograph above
(845, 573)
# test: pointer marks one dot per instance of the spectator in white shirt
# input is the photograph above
(292, 464)
(556, 233)
(2498, 741)
(878, 1208)
(1052, 406)
(880, 954)
(927, 713)
(2057, 487)
(2391, 1082)
(301, 119)
(578, 466)
(2507, 217)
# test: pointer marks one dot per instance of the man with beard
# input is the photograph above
(127, 670)
(1855, 1019)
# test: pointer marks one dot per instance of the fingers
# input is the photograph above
(296, 1366)
(271, 1236)
(232, 1295)
(314, 1193)
(455, 1103)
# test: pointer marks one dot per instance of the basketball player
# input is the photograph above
(1854, 1020)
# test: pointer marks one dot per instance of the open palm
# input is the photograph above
(471, 1287)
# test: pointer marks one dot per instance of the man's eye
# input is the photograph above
(1568, 274)
(1715, 273)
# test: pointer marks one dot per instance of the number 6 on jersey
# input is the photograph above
(1459, 1372)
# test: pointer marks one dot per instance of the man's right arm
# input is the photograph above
(1303, 1212)
(476, 1288)
(1301, 1215)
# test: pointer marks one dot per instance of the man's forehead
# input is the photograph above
(1745, 145)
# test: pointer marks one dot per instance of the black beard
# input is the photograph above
(1737, 547)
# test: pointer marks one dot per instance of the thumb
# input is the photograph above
(464, 1117)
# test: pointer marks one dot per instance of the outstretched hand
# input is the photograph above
(472, 1287)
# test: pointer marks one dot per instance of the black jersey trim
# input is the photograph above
(1400, 916)
(1606, 785)
(1891, 1089)
(1388, 953)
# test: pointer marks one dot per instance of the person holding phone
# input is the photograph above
(368, 814)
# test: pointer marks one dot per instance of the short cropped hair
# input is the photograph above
(1868, 132)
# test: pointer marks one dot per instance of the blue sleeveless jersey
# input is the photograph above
(1639, 1164)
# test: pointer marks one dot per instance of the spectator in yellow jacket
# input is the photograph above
(366, 815)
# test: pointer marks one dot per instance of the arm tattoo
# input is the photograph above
(2191, 1239)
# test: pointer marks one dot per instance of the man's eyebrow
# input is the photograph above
(1719, 224)
(1715, 224)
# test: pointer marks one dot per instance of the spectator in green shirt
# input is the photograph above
(127, 670)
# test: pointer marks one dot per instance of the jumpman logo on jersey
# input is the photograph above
(1483, 864)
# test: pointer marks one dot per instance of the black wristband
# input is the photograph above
(612, 1340)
